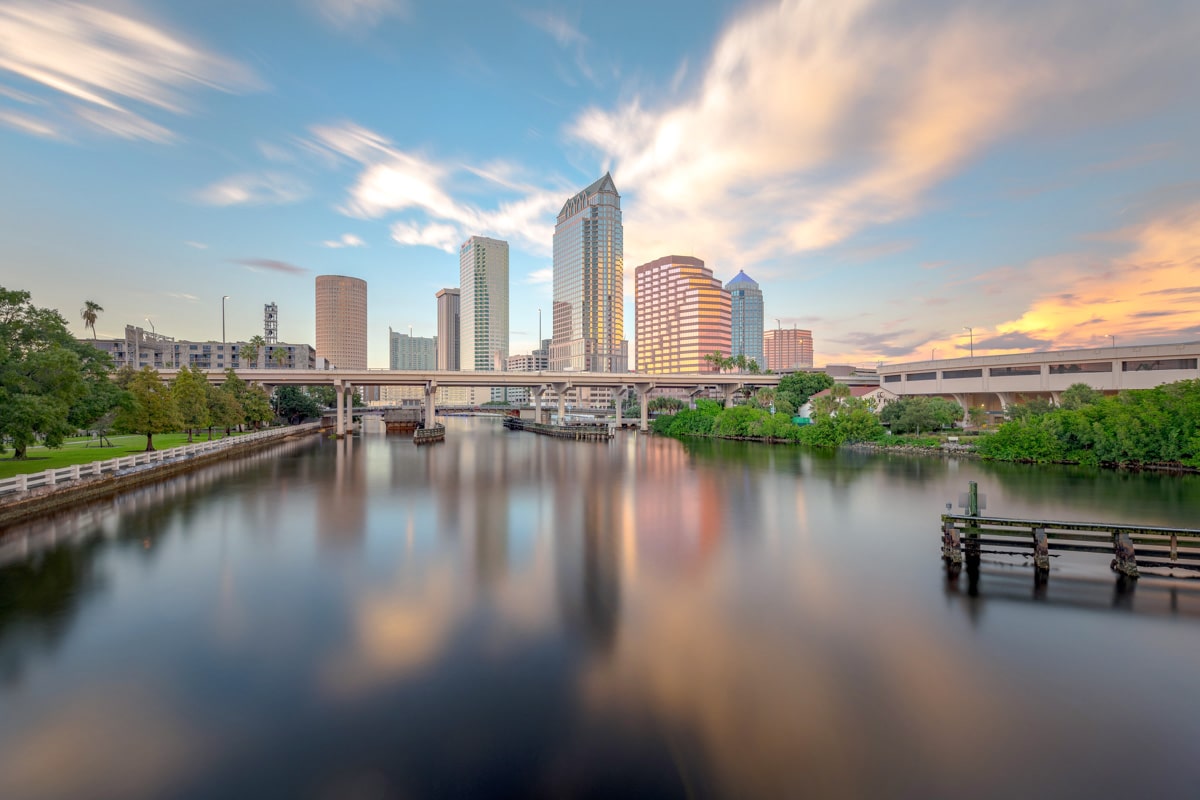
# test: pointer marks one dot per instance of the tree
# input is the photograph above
(755, 368)
(191, 396)
(914, 414)
(740, 362)
(251, 351)
(295, 404)
(977, 415)
(716, 360)
(280, 357)
(151, 407)
(42, 374)
(1078, 395)
(827, 404)
(1035, 407)
(799, 386)
(224, 410)
(256, 405)
(90, 313)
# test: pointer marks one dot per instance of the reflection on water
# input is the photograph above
(505, 614)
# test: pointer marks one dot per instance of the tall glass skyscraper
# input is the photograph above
(483, 307)
(589, 290)
(747, 325)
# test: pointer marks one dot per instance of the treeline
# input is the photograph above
(1136, 427)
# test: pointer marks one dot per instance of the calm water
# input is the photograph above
(507, 615)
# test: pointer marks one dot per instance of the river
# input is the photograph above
(505, 614)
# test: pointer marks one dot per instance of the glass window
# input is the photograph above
(921, 376)
(891, 378)
(1071, 369)
(1006, 372)
(1159, 363)
(962, 373)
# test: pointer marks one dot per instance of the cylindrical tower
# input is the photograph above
(342, 321)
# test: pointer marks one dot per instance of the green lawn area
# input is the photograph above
(77, 451)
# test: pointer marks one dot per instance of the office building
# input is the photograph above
(447, 329)
(406, 351)
(588, 327)
(342, 321)
(682, 315)
(483, 310)
(747, 318)
(788, 349)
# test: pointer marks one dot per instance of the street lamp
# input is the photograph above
(971, 333)
(1114, 340)
(152, 330)
(933, 354)
(223, 299)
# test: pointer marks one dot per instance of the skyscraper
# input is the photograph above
(589, 253)
(342, 321)
(747, 322)
(682, 315)
(448, 329)
(788, 349)
(483, 307)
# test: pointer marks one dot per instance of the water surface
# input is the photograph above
(509, 615)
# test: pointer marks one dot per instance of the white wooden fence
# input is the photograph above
(142, 461)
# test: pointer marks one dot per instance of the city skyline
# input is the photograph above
(888, 178)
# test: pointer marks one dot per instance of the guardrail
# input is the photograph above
(140, 461)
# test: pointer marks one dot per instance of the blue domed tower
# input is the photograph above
(747, 318)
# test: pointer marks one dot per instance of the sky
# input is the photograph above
(891, 173)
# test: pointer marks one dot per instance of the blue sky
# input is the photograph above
(889, 172)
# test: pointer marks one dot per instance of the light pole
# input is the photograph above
(933, 354)
(1114, 340)
(223, 299)
(152, 330)
(971, 333)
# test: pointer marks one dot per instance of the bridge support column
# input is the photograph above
(961, 399)
(729, 390)
(341, 399)
(348, 425)
(644, 390)
(430, 404)
(560, 389)
(619, 395)
(536, 393)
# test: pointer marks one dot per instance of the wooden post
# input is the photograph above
(972, 499)
(1041, 549)
(1125, 561)
(951, 547)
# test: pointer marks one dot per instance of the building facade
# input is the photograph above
(746, 329)
(682, 315)
(342, 321)
(588, 333)
(141, 348)
(411, 352)
(788, 349)
(447, 329)
(483, 309)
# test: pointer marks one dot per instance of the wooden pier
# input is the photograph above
(429, 435)
(969, 535)
(576, 432)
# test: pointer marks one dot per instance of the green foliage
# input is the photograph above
(977, 415)
(295, 404)
(44, 375)
(915, 414)
(1030, 408)
(1078, 395)
(251, 351)
(224, 408)
(191, 396)
(1141, 426)
(251, 398)
(666, 404)
(799, 386)
(151, 407)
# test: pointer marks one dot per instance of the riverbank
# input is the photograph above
(63, 494)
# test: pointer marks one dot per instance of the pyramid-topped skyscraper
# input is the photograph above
(747, 330)
(589, 289)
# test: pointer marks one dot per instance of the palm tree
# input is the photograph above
(279, 356)
(90, 311)
(740, 362)
(254, 348)
(717, 360)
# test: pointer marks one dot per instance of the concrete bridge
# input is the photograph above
(538, 383)
(993, 381)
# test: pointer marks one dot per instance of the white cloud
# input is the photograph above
(439, 235)
(563, 31)
(101, 66)
(357, 15)
(27, 123)
(813, 121)
(268, 188)
(346, 240)
(392, 180)
(197, 245)
(541, 276)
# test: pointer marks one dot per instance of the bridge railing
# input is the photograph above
(139, 461)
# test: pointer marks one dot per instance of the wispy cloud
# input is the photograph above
(270, 265)
(1009, 341)
(392, 180)
(555, 23)
(541, 276)
(359, 15)
(815, 121)
(252, 188)
(197, 245)
(346, 240)
(109, 70)
(191, 298)
(27, 123)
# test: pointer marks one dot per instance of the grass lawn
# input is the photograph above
(76, 451)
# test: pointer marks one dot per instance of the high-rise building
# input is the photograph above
(342, 321)
(788, 348)
(448, 329)
(589, 253)
(483, 308)
(682, 315)
(747, 320)
(411, 352)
